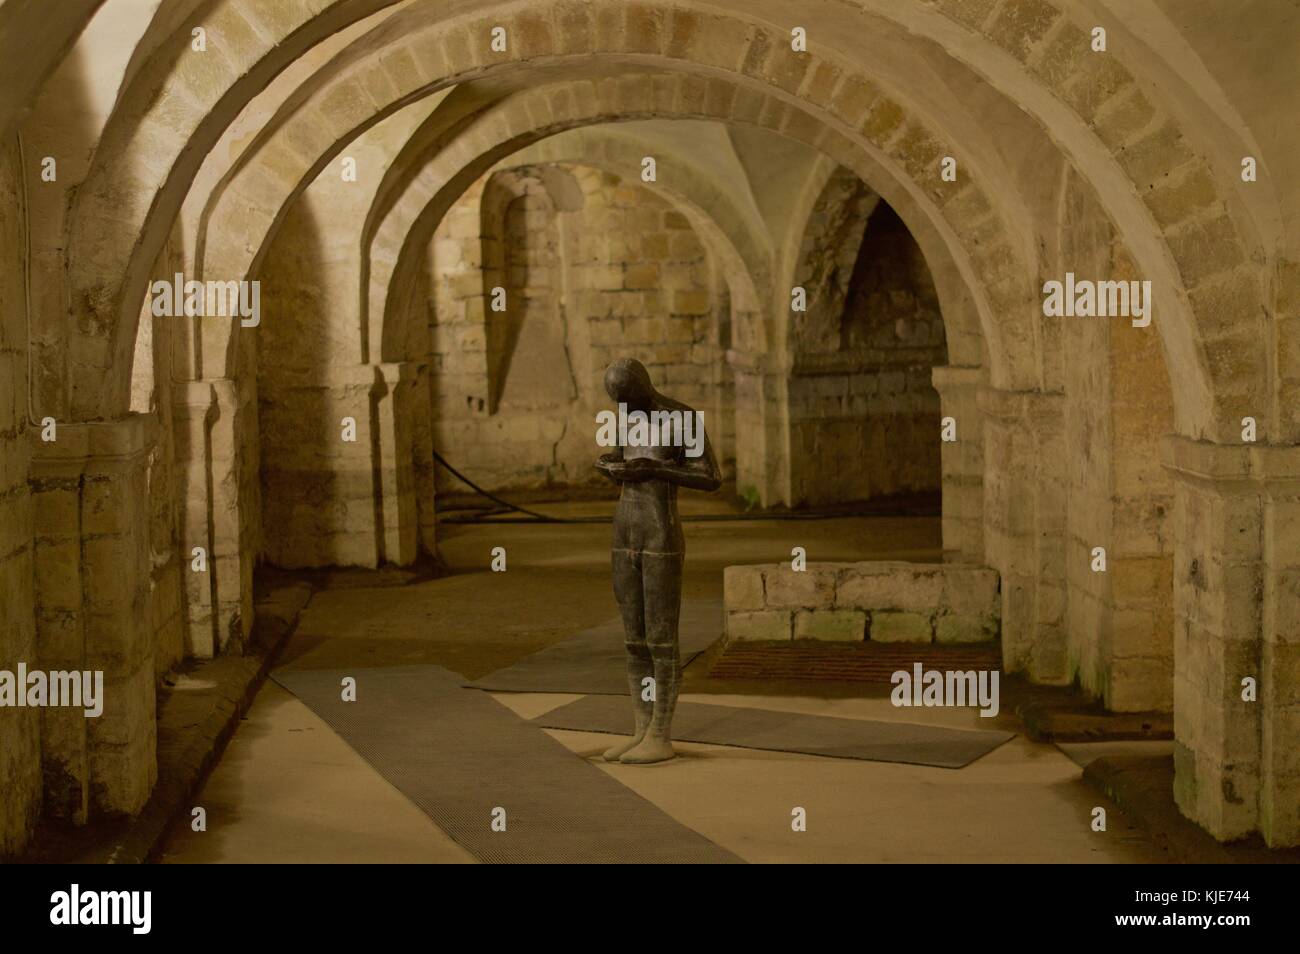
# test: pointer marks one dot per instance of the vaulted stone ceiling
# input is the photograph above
(380, 168)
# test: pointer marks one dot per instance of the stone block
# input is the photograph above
(1205, 248)
(843, 626)
(60, 640)
(888, 626)
(954, 628)
(766, 625)
(105, 505)
(810, 588)
(742, 588)
(970, 589)
(882, 120)
(1141, 685)
(898, 586)
(64, 768)
(1154, 156)
(55, 510)
(690, 302)
(58, 575)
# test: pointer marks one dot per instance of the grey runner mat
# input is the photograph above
(790, 732)
(459, 754)
(594, 660)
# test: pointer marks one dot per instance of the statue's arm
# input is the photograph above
(610, 464)
(698, 473)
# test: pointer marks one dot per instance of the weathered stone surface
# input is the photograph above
(904, 602)
(951, 628)
(742, 588)
(900, 586)
(846, 626)
(373, 312)
(889, 626)
(812, 587)
(765, 625)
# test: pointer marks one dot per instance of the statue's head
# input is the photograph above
(628, 382)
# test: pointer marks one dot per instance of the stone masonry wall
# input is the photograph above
(1085, 237)
(20, 760)
(317, 490)
(864, 416)
(152, 376)
(1140, 672)
(1119, 621)
(515, 394)
(881, 601)
(90, 496)
(331, 493)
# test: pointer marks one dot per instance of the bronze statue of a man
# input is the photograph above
(648, 552)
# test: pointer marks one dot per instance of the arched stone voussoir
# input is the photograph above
(726, 228)
(395, 256)
(734, 232)
(1139, 149)
(173, 111)
(435, 52)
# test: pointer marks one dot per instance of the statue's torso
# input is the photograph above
(646, 518)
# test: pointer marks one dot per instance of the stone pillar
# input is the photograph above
(20, 729)
(1024, 527)
(399, 404)
(425, 469)
(762, 431)
(829, 451)
(1279, 797)
(335, 502)
(1236, 603)
(962, 463)
(90, 494)
(210, 420)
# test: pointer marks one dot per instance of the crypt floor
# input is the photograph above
(288, 789)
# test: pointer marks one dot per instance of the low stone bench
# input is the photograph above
(882, 601)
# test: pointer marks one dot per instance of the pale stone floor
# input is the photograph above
(289, 790)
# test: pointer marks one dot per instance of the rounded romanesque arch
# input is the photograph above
(424, 188)
(966, 206)
(993, 145)
(538, 39)
(712, 40)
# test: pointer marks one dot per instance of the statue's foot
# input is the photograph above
(613, 753)
(648, 750)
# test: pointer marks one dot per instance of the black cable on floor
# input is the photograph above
(532, 516)
(493, 497)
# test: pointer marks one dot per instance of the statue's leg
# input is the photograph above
(662, 582)
(631, 603)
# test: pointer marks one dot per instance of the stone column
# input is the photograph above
(1236, 603)
(20, 729)
(828, 461)
(1279, 797)
(1024, 527)
(399, 405)
(90, 494)
(762, 429)
(422, 461)
(331, 501)
(962, 463)
(217, 486)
